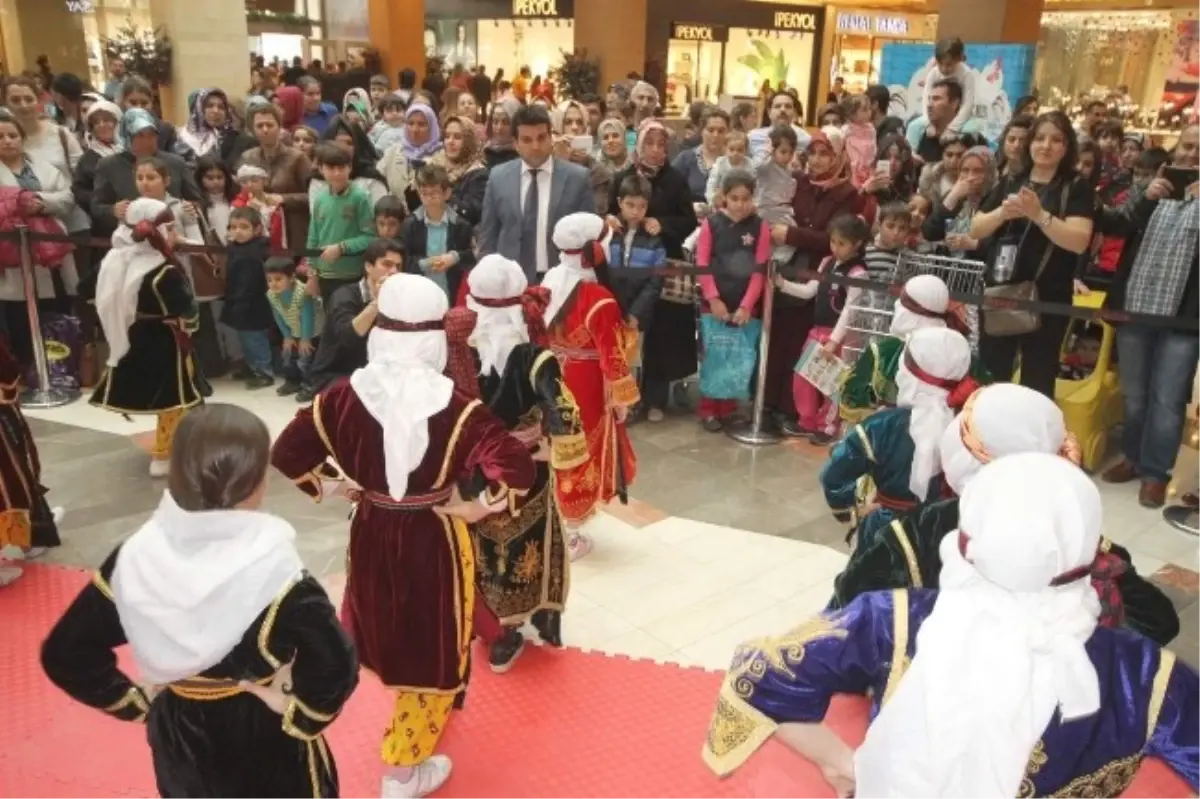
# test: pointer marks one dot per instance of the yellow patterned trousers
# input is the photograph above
(418, 721)
(164, 435)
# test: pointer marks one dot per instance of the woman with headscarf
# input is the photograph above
(924, 302)
(237, 647)
(402, 432)
(290, 101)
(950, 220)
(352, 139)
(210, 129)
(611, 147)
(897, 448)
(588, 335)
(570, 120)
(358, 109)
(1003, 683)
(669, 345)
(500, 146)
(401, 162)
(823, 192)
(523, 566)
(462, 159)
(997, 421)
(146, 308)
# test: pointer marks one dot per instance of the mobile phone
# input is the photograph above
(883, 168)
(1180, 178)
(581, 144)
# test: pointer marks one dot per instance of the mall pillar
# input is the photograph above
(1001, 21)
(209, 43)
(36, 27)
(396, 29)
(614, 33)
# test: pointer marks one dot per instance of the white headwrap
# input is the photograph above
(102, 105)
(1005, 419)
(121, 274)
(497, 330)
(943, 354)
(249, 172)
(572, 233)
(1002, 649)
(930, 293)
(402, 385)
(188, 584)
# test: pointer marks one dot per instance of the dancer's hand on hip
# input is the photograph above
(275, 694)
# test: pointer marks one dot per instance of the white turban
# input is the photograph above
(403, 384)
(572, 233)
(942, 354)
(1002, 649)
(497, 330)
(927, 291)
(1002, 419)
(122, 272)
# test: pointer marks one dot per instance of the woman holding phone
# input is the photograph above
(573, 143)
(1033, 226)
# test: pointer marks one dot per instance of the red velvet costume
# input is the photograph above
(589, 346)
(410, 589)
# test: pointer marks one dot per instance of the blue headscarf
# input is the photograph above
(133, 122)
(421, 152)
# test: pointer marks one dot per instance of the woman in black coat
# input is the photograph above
(669, 343)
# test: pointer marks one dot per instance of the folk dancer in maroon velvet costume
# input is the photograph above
(400, 430)
(27, 524)
(589, 336)
(522, 561)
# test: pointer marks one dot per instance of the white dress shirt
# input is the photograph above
(543, 218)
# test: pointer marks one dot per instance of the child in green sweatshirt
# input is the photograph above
(343, 223)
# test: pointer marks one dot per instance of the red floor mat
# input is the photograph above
(563, 723)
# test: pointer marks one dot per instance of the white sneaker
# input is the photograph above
(578, 546)
(34, 552)
(159, 468)
(58, 512)
(425, 779)
(9, 574)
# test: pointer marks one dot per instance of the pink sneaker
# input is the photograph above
(578, 545)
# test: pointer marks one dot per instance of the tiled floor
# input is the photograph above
(720, 542)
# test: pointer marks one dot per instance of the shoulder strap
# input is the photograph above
(62, 141)
(1062, 209)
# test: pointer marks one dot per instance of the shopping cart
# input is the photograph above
(871, 313)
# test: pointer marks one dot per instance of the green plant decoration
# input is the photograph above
(282, 20)
(766, 64)
(577, 75)
(147, 53)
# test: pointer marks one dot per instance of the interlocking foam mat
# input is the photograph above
(562, 723)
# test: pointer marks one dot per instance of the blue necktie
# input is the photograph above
(529, 225)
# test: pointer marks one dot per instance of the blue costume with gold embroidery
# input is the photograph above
(878, 448)
(1150, 703)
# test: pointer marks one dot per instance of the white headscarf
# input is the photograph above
(927, 291)
(943, 354)
(572, 233)
(1004, 419)
(402, 385)
(121, 274)
(1002, 649)
(102, 106)
(188, 584)
(497, 330)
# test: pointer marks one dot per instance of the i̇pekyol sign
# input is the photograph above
(691, 32)
(535, 8)
(795, 21)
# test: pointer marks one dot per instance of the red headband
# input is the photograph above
(912, 305)
(396, 326)
(960, 390)
(533, 301)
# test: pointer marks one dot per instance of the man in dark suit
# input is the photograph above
(481, 89)
(527, 196)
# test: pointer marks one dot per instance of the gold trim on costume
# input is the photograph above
(133, 697)
(736, 731)
(587, 320)
(289, 725)
(313, 479)
(313, 777)
(538, 363)
(1166, 663)
(914, 571)
(569, 451)
(449, 458)
(866, 442)
(320, 427)
(264, 632)
(102, 584)
(625, 391)
(1111, 779)
(899, 645)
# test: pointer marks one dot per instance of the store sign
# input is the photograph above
(689, 32)
(81, 6)
(795, 21)
(848, 22)
(535, 8)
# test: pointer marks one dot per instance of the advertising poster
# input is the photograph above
(1183, 70)
(455, 40)
(1003, 73)
(346, 20)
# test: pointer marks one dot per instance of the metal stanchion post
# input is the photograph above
(45, 395)
(754, 432)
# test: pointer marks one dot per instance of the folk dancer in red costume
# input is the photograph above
(522, 560)
(587, 333)
(401, 431)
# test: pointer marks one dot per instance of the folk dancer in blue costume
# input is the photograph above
(1003, 683)
(997, 421)
(897, 448)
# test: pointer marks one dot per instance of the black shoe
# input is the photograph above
(820, 439)
(792, 429)
(305, 396)
(505, 651)
(287, 389)
(259, 381)
(712, 424)
(241, 373)
(548, 624)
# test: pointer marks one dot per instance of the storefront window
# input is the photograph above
(507, 44)
(782, 59)
(695, 58)
(856, 60)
